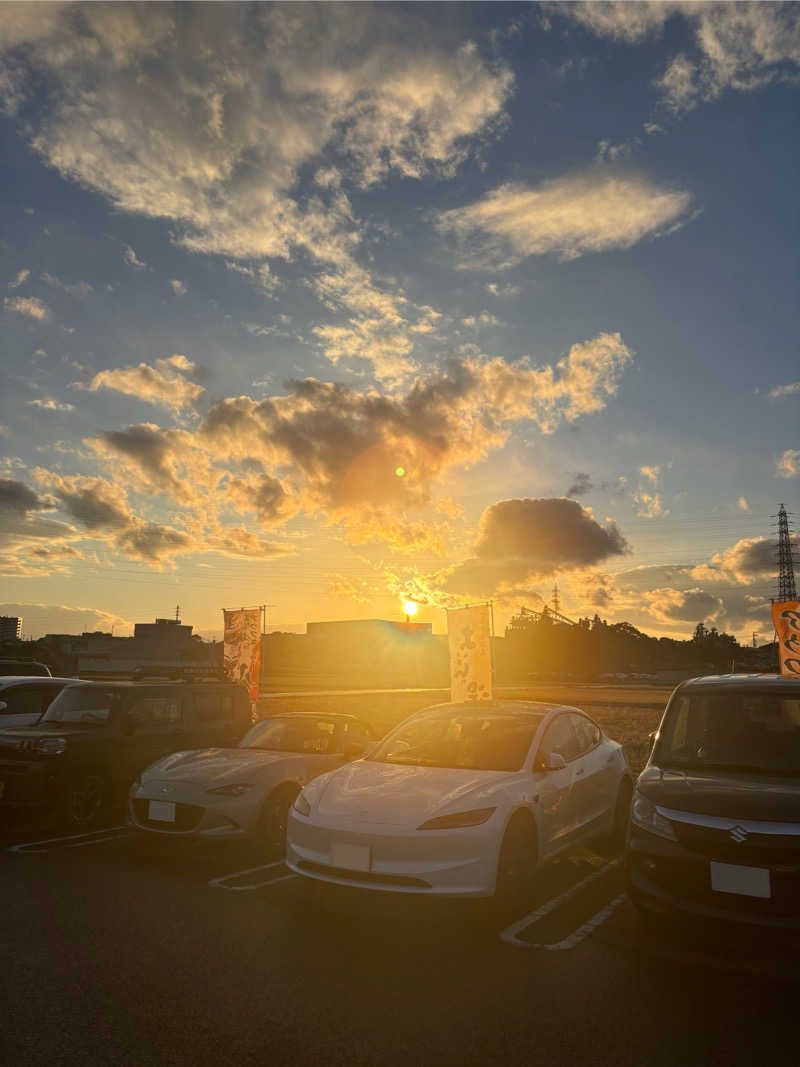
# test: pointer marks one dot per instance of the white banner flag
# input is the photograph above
(469, 638)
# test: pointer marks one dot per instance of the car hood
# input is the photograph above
(725, 795)
(218, 765)
(382, 793)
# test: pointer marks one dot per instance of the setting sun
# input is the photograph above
(410, 607)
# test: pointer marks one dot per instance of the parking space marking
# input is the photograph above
(510, 933)
(91, 837)
(220, 883)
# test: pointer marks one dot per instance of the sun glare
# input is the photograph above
(410, 608)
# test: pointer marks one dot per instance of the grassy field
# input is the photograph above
(626, 713)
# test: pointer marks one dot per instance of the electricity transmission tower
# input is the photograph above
(785, 557)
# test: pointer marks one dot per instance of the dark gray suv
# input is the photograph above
(715, 818)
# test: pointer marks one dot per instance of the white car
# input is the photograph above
(464, 800)
(247, 790)
(25, 698)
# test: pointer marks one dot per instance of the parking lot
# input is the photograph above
(122, 948)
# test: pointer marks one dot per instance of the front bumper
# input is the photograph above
(29, 785)
(458, 863)
(668, 878)
(197, 813)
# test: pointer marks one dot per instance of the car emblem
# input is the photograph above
(738, 834)
(165, 788)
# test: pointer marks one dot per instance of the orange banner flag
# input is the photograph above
(786, 620)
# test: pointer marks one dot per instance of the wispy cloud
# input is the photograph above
(788, 463)
(27, 305)
(164, 383)
(132, 259)
(20, 278)
(177, 286)
(568, 217)
(792, 389)
(49, 403)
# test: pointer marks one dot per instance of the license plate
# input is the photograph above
(161, 811)
(351, 857)
(745, 881)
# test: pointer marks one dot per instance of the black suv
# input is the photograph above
(96, 737)
(715, 819)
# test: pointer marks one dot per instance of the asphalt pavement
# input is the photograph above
(121, 948)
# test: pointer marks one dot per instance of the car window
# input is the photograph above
(157, 712)
(293, 734)
(561, 739)
(586, 731)
(21, 700)
(212, 706)
(355, 733)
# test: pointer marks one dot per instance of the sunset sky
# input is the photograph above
(326, 306)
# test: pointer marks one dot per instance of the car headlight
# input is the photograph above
(301, 805)
(234, 790)
(646, 816)
(51, 746)
(459, 819)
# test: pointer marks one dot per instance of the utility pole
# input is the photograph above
(556, 600)
(755, 639)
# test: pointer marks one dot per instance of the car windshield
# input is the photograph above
(83, 704)
(292, 734)
(470, 740)
(752, 732)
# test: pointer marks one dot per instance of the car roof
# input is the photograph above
(311, 714)
(32, 679)
(776, 683)
(151, 683)
(522, 707)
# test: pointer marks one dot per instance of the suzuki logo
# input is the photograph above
(738, 834)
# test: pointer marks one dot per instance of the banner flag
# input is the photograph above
(468, 634)
(786, 620)
(242, 648)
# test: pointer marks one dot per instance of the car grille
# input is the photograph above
(187, 816)
(757, 850)
(364, 876)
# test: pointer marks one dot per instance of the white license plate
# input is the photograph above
(161, 811)
(350, 857)
(746, 881)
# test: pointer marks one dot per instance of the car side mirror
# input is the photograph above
(353, 750)
(555, 762)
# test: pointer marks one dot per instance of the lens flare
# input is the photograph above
(399, 471)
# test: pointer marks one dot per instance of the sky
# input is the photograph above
(327, 306)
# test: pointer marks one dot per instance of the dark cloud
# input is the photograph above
(18, 498)
(582, 484)
(93, 504)
(151, 542)
(148, 447)
(532, 536)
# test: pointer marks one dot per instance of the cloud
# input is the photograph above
(79, 290)
(522, 538)
(742, 504)
(27, 305)
(651, 473)
(178, 287)
(95, 502)
(582, 484)
(691, 605)
(788, 463)
(785, 390)
(597, 211)
(17, 497)
(49, 403)
(648, 501)
(132, 259)
(20, 278)
(748, 560)
(357, 590)
(163, 384)
(503, 291)
(737, 46)
(239, 104)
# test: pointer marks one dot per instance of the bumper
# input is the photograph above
(196, 813)
(28, 785)
(457, 863)
(667, 878)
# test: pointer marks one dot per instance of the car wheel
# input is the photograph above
(275, 817)
(86, 798)
(516, 864)
(622, 815)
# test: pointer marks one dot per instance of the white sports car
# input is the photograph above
(463, 799)
(247, 790)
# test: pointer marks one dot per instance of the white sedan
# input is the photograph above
(464, 800)
(248, 790)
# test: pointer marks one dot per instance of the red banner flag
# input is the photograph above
(242, 648)
(786, 620)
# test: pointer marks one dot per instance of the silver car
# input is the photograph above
(25, 698)
(248, 790)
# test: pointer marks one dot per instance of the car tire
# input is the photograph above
(85, 800)
(274, 818)
(516, 863)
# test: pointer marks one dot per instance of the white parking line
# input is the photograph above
(91, 837)
(510, 932)
(219, 883)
